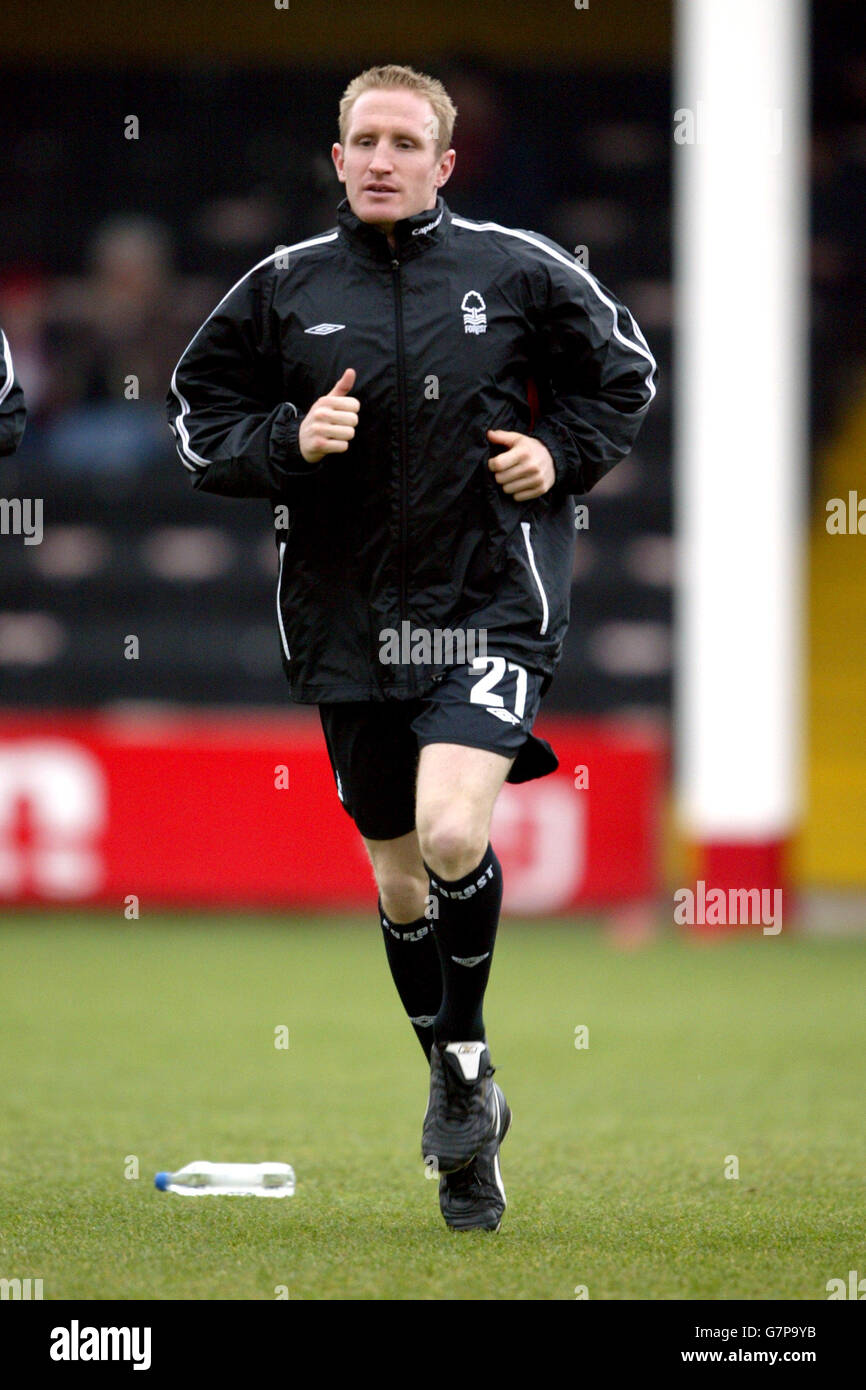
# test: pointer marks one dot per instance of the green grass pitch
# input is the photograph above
(153, 1042)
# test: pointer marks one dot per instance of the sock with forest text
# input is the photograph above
(416, 971)
(465, 930)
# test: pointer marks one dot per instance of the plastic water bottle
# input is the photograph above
(201, 1179)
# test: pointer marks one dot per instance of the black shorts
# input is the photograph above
(374, 747)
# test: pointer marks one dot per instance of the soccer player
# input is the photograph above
(420, 396)
(12, 410)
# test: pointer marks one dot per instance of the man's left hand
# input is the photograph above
(526, 468)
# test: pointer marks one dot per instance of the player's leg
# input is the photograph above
(410, 944)
(457, 790)
(374, 757)
(400, 876)
(475, 731)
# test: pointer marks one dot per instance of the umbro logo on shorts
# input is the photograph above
(323, 328)
(504, 714)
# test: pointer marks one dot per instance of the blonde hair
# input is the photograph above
(395, 75)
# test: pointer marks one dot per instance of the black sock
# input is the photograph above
(465, 933)
(414, 961)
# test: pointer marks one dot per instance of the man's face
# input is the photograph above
(389, 163)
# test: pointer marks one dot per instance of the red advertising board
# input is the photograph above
(242, 810)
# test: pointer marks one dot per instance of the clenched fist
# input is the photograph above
(330, 422)
(526, 468)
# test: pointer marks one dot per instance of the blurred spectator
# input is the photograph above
(237, 231)
(114, 339)
(499, 165)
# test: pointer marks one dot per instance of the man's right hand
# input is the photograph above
(330, 422)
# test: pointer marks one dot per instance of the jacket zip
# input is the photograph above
(404, 443)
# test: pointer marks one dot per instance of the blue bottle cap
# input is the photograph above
(162, 1181)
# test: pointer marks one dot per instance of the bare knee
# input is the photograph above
(452, 843)
(400, 876)
(403, 894)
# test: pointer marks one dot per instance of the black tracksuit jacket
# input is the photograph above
(12, 411)
(466, 326)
